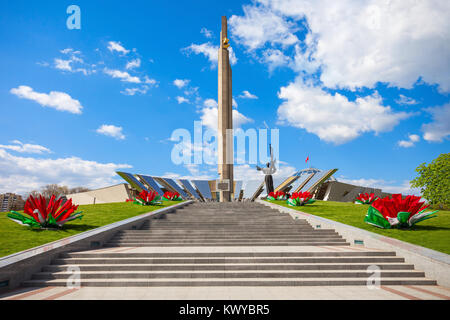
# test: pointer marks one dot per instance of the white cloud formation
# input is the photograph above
(333, 118)
(234, 103)
(412, 139)
(210, 51)
(117, 46)
(69, 64)
(211, 103)
(357, 43)
(439, 129)
(181, 100)
(150, 81)
(122, 75)
(24, 174)
(246, 172)
(136, 63)
(247, 95)
(18, 146)
(207, 33)
(402, 99)
(275, 58)
(111, 131)
(385, 186)
(210, 120)
(133, 91)
(60, 101)
(179, 83)
(260, 25)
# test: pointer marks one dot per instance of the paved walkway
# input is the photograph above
(233, 293)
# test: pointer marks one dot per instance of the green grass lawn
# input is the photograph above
(433, 233)
(15, 237)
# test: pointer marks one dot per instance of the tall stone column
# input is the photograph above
(225, 115)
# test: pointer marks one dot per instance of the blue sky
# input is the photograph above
(358, 86)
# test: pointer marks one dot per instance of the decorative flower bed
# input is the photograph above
(365, 198)
(53, 214)
(397, 212)
(147, 198)
(278, 195)
(300, 199)
(171, 196)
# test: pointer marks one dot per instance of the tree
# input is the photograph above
(54, 189)
(78, 190)
(434, 180)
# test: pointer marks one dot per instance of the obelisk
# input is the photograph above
(225, 116)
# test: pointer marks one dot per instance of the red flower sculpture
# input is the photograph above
(300, 199)
(365, 198)
(278, 195)
(171, 196)
(43, 215)
(387, 212)
(146, 198)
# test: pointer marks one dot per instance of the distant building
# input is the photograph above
(11, 201)
(116, 193)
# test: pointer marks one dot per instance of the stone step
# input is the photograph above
(231, 228)
(229, 240)
(223, 274)
(222, 267)
(224, 244)
(88, 254)
(244, 282)
(227, 261)
(226, 232)
(223, 236)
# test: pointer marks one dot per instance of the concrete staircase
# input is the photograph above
(237, 244)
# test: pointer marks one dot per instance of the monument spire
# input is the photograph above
(225, 118)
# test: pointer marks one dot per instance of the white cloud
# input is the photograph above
(133, 91)
(73, 64)
(412, 139)
(247, 95)
(246, 172)
(210, 120)
(24, 174)
(260, 25)
(385, 186)
(179, 83)
(358, 43)
(439, 129)
(111, 131)
(63, 64)
(402, 99)
(275, 58)
(60, 101)
(333, 118)
(181, 100)
(211, 103)
(150, 81)
(211, 52)
(18, 146)
(122, 75)
(234, 103)
(206, 32)
(117, 46)
(136, 63)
